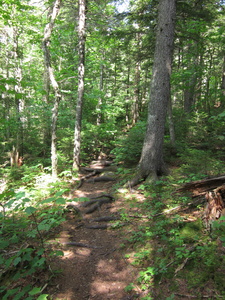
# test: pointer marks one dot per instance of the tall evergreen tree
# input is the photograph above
(151, 162)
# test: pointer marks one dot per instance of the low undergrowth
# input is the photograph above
(166, 239)
(177, 257)
(31, 209)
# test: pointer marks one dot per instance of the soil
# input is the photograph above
(95, 267)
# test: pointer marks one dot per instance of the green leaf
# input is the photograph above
(20, 195)
(60, 201)
(26, 200)
(83, 199)
(40, 262)
(30, 210)
(17, 260)
(129, 288)
(48, 200)
(60, 193)
(43, 297)
(57, 253)
(35, 291)
(4, 244)
(10, 293)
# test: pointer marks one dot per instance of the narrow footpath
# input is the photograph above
(93, 265)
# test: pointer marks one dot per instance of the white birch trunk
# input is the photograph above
(47, 57)
(81, 54)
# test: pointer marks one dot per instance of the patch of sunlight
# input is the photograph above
(44, 181)
(68, 254)
(123, 190)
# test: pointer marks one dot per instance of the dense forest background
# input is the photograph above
(42, 47)
(118, 65)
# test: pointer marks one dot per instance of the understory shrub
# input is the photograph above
(128, 147)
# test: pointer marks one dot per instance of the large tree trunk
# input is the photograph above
(151, 163)
(81, 64)
(54, 83)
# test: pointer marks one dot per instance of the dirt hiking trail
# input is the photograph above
(93, 265)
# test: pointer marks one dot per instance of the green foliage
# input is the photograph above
(98, 139)
(198, 162)
(128, 147)
(25, 226)
(171, 243)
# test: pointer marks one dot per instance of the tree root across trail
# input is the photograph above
(93, 266)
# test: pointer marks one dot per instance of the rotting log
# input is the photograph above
(214, 191)
(215, 206)
(204, 185)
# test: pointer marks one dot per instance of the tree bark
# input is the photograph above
(136, 104)
(151, 163)
(19, 99)
(99, 115)
(171, 123)
(81, 69)
(47, 57)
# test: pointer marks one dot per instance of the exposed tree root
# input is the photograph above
(98, 226)
(96, 169)
(76, 244)
(93, 204)
(101, 178)
(97, 205)
(106, 219)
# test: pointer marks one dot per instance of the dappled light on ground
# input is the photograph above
(97, 269)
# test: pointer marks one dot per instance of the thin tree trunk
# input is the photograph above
(127, 106)
(136, 104)
(47, 58)
(151, 163)
(171, 123)
(19, 100)
(190, 91)
(223, 79)
(99, 116)
(81, 69)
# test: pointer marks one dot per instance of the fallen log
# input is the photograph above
(214, 191)
(203, 185)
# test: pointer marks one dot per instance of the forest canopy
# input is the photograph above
(119, 52)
